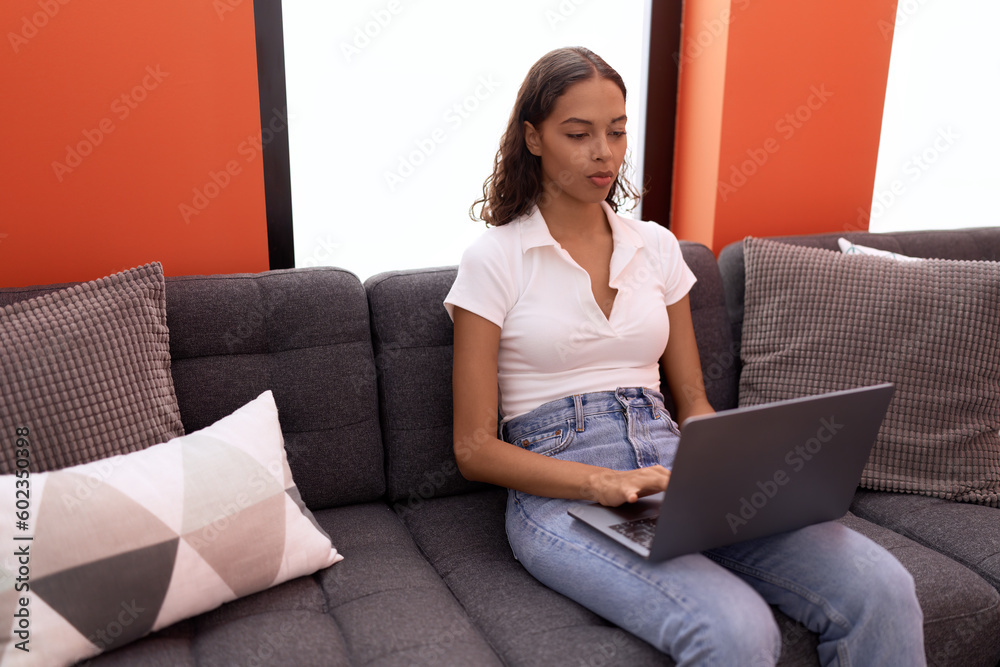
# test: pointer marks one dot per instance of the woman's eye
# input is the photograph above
(576, 136)
(618, 133)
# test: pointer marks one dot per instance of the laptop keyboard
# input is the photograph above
(639, 531)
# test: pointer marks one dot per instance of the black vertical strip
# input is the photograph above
(274, 132)
(661, 109)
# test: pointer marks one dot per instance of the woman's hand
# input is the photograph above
(614, 487)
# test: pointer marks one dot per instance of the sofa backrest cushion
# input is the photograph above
(303, 334)
(976, 244)
(711, 327)
(412, 336)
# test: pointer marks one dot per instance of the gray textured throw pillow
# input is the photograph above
(85, 372)
(818, 321)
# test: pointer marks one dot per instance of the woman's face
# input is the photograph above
(582, 142)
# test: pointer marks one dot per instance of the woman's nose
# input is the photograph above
(601, 150)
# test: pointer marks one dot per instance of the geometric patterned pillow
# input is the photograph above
(121, 547)
(87, 370)
(818, 321)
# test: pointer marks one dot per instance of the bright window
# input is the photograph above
(937, 163)
(396, 108)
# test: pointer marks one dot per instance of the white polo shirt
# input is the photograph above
(554, 339)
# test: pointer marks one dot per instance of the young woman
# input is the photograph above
(564, 312)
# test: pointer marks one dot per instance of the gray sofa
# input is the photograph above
(362, 378)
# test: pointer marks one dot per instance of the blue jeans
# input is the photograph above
(709, 608)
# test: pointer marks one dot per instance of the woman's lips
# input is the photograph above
(601, 180)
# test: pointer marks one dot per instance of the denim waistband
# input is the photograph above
(579, 406)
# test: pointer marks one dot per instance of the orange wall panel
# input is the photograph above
(700, 102)
(804, 86)
(121, 122)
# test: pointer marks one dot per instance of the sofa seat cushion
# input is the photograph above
(961, 610)
(389, 604)
(382, 606)
(464, 539)
(528, 624)
(287, 624)
(970, 534)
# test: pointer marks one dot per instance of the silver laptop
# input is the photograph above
(752, 472)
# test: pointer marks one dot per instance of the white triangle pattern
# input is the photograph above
(192, 583)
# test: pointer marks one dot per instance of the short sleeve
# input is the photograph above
(484, 284)
(677, 276)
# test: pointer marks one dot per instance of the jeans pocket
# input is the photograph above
(547, 441)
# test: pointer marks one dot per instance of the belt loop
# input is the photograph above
(578, 404)
(652, 403)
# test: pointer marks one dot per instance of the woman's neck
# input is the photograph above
(573, 219)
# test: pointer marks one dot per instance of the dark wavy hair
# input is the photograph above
(515, 185)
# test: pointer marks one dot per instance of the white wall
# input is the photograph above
(396, 108)
(939, 154)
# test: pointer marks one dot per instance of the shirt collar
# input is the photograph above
(624, 235)
(535, 233)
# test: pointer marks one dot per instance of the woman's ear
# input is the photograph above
(532, 139)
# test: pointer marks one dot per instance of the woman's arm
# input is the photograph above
(682, 365)
(483, 457)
